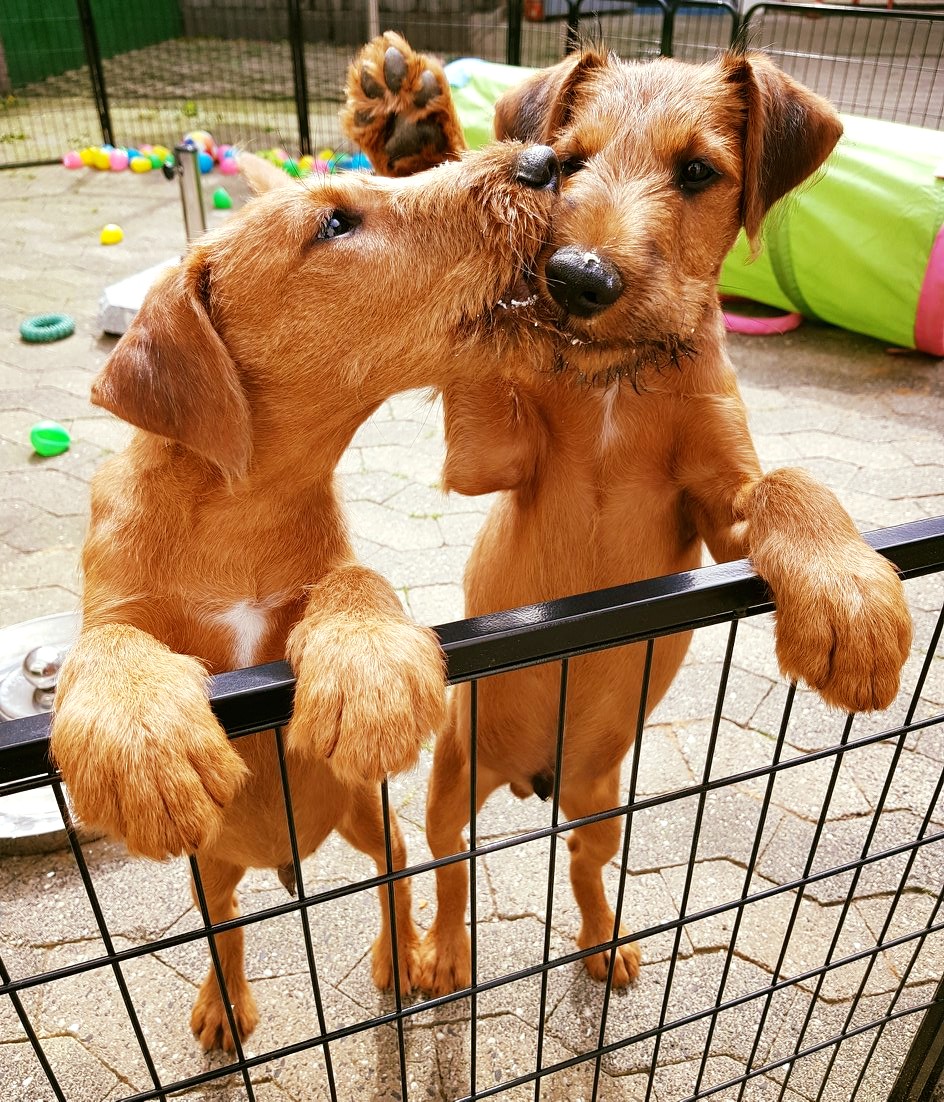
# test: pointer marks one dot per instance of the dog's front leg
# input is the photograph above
(142, 755)
(371, 683)
(843, 625)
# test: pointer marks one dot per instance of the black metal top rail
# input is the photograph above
(253, 699)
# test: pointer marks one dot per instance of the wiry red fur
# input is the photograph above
(217, 538)
(608, 485)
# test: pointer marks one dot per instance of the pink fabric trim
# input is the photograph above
(761, 327)
(929, 317)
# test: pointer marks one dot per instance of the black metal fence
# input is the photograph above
(75, 73)
(794, 958)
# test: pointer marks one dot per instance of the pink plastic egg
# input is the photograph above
(229, 166)
(118, 160)
(73, 159)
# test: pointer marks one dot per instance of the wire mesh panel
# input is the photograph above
(47, 103)
(777, 865)
(883, 64)
(552, 28)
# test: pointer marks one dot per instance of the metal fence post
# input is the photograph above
(296, 39)
(96, 74)
(924, 1065)
(513, 43)
(191, 194)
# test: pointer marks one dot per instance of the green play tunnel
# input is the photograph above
(861, 246)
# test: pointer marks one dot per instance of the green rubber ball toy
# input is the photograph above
(49, 438)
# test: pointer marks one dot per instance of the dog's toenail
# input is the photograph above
(371, 87)
(394, 68)
(428, 89)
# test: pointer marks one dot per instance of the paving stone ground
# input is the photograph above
(868, 423)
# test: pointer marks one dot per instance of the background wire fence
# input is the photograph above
(269, 73)
(781, 876)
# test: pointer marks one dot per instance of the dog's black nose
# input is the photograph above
(538, 168)
(581, 281)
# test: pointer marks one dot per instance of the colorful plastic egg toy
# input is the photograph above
(102, 160)
(306, 164)
(73, 159)
(229, 166)
(205, 161)
(291, 167)
(221, 199)
(222, 151)
(141, 164)
(321, 165)
(118, 160)
(161, 152)
(88, 155)
(326, 155)
(49, 438)
(145, 149)
(156, 161)
(200, 139)
(111, 234)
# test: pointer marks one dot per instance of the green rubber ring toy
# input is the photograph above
(47, 327)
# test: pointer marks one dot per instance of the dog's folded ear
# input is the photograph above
(261, 175)
(172, 375)
(495, 438)
(789, 133)
(536, 109)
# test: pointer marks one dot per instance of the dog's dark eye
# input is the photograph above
(696, 174)
(570, 165)
(337, 224)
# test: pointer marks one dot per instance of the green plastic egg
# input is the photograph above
(49, 438)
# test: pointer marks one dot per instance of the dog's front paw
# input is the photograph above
(138, 747)
(399, 110)
(369, 692)
(843, 627)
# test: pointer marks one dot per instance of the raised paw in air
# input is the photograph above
(844, 628)
(369, 693)
(399, 110)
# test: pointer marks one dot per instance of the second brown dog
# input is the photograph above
(602, 485)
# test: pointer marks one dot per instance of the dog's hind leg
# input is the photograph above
(399, 110)
(446, 960)
(591, 846)
(363, 827)
(209, 1020)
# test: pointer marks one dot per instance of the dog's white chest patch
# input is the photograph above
(248, 622)
(609, 430)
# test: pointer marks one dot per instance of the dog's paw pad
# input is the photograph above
(371, 88)
(428, 90)
(395, 68)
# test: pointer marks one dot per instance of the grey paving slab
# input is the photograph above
(869, 424)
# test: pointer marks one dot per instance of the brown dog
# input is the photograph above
(217, 538)
(663, 163)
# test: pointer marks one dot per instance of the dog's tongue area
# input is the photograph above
(521, 293)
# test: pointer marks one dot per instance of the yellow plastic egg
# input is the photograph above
(141, 164)
(111, 234)
(102, 160)
(88, 155)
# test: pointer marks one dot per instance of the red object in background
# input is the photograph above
(534, 11)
